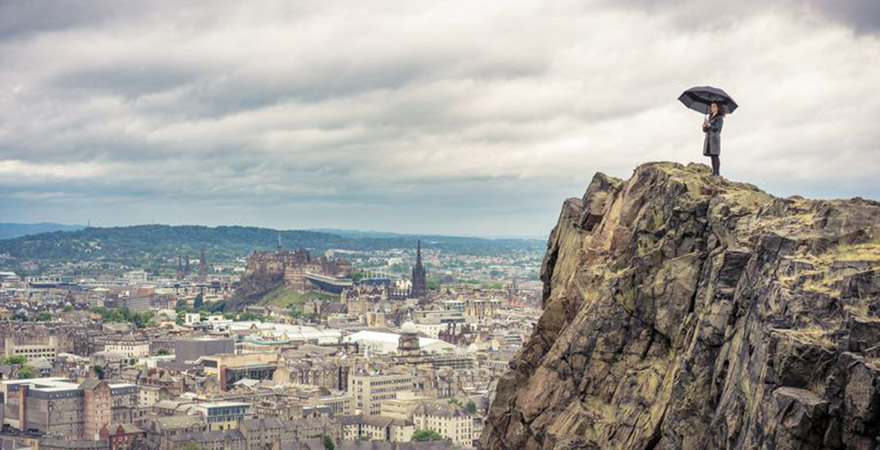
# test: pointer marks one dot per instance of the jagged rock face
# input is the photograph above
(685, 311)
(252, 288)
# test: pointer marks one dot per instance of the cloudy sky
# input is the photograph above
(458, 117)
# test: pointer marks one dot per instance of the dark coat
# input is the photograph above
(712, 143)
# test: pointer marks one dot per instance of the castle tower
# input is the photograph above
(419, 280)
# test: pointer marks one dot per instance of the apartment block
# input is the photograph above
(369, 390)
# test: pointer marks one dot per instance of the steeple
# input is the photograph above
(203, 265)
(419, 279)
(279, 243)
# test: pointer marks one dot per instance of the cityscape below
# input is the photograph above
(275, 349)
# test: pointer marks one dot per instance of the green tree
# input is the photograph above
(124, 315)
(43, 316)
(162, 352)
(26, 372)
(471, 407)
(99, 370)
(328, 443)
(249, 316)
(357, 275)
(14, 360)
(426, 435)
(67, 308)
(190, 446)
(198, 302)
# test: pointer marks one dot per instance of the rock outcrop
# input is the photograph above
(682, 310)
(252, 288)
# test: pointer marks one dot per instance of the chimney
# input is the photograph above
(223, 376)
(22, 407)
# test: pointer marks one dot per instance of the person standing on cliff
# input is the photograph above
(712, 144)
(716, 103)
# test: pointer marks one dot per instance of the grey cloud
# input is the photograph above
(863, 16)
(412, 116)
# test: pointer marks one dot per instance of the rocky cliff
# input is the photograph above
(252, 289)
(682, 310)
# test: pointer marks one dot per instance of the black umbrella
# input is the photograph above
(698, 98)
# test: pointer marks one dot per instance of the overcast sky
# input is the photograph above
(455, 117)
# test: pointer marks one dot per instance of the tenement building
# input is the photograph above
(451, 421)
(61, 407)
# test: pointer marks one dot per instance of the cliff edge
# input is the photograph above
(683, 310)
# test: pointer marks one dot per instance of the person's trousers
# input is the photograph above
(716, 164)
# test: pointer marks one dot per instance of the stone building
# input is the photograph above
(62, 407)
(451, 421)
(377, 428)
(33, 349)
(327, 374)
(155, 385)
(123, 436)
(294, 265)
(130, 345)
(207, 440)
(227, 369)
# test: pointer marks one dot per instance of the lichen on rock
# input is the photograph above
(682, 310)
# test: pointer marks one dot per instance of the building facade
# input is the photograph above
(369, 390)
(451, 421)
(61, 407)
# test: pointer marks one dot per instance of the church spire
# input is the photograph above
(419, 278)
(203, 265)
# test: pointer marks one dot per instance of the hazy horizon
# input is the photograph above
(320, 230)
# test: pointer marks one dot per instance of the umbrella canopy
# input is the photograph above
(698, 98)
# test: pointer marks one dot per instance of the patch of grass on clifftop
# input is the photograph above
(287, 297)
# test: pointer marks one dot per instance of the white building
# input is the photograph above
(132, 346)
(370, 390)
(387, 342)
(135, 276)
(191, 318)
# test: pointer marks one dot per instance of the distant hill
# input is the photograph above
(14, 230)
(424, 237)
(358, 233)
(154, 245)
